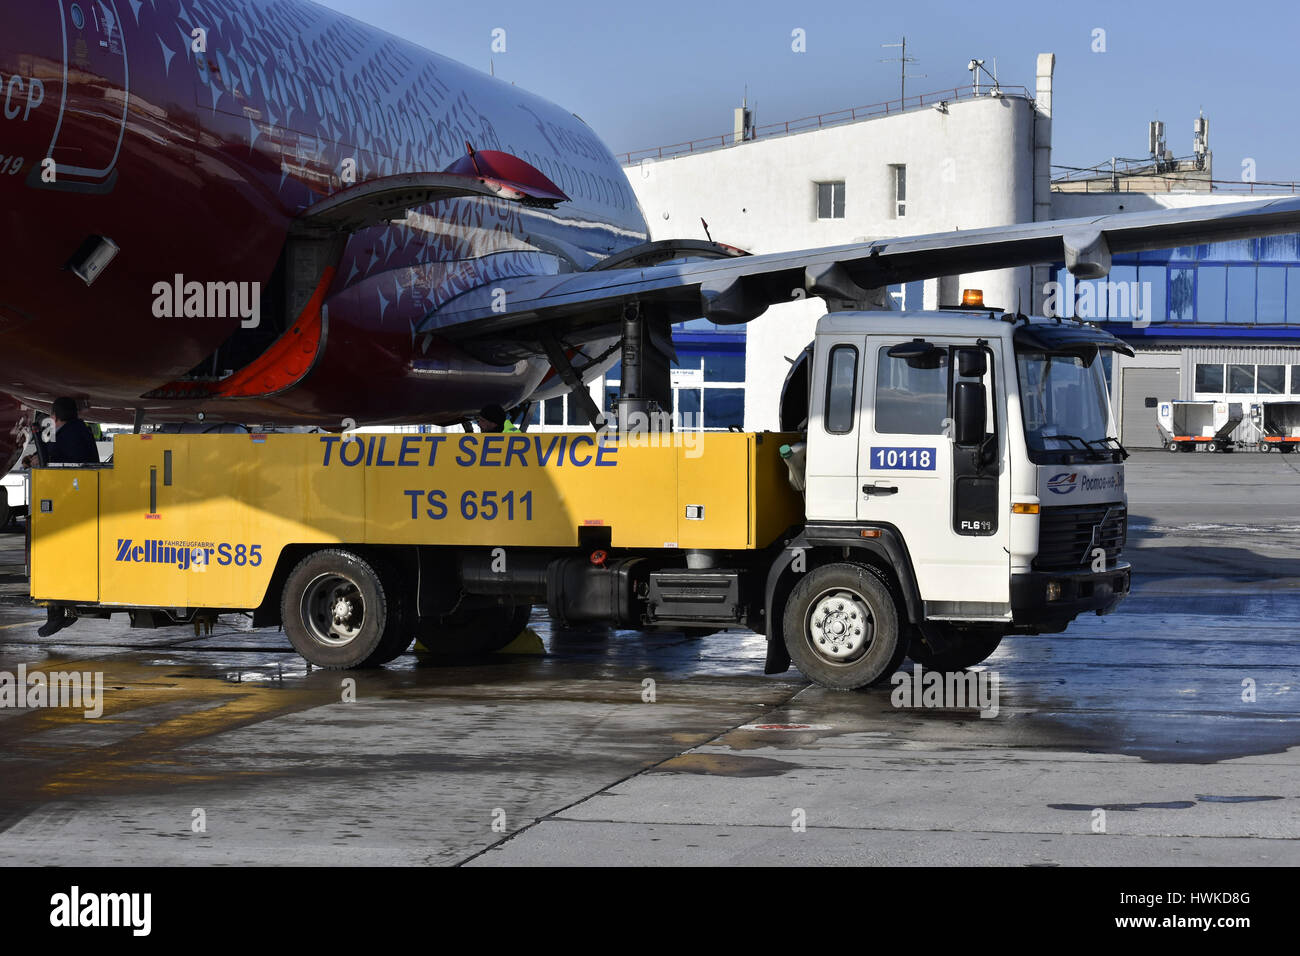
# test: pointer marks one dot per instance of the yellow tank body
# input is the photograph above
(199, 521)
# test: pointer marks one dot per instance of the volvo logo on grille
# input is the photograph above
(1098, 538)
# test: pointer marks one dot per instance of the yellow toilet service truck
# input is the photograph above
(942, 479)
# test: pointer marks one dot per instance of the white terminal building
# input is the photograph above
(1209, 322)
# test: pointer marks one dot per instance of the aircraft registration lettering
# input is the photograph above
(17, 89)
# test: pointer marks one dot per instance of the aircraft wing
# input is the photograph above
(738, 289)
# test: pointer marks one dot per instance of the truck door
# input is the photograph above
(948, 501)
(835, 427)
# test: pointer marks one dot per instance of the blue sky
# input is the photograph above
(646, 74)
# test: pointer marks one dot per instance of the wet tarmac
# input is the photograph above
(1165, 734)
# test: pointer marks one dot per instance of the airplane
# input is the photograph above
(265, 211)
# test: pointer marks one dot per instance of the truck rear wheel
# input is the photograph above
(6, 513)
(841, 627)
(471, 633)
(337, 612)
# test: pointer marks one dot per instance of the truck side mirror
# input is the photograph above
(971, 363)
(919, 353)
(969, 414)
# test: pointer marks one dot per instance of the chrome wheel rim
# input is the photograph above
(333, 610)
(840, 628)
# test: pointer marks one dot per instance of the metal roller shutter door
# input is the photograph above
(1138, 416)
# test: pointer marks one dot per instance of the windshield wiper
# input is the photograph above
(1122, 450)
(1081, 441)
(1087, 443)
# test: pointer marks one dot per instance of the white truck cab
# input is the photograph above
(977, 450)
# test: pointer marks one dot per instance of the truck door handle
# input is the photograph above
(880, 489)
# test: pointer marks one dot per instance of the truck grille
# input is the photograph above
(1066, 536)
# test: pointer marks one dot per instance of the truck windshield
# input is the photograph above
(1064, 400)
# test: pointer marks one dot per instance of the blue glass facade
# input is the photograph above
(1247, 288)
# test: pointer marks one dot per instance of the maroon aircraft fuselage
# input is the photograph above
(192, 133)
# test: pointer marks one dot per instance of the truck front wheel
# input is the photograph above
(841, 627)
(336, 611)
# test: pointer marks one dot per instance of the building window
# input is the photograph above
(1241, 379)
(910, 401)
(1293, 294)
(841, 389)
(1271, 379)
(1152, 281)
(688, 405)
(1241, 294)
(556, 413)
(1209, 378)
(1181, 300)
(830, 200)
(707, 378)
(1271, 295)
(1246, 380)
(724, 407)
(900, 190)
(1211, 293)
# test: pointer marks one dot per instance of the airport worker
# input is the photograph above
(493, 418)
(73, 442)
(74, 445)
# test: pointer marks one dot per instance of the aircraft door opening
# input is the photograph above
(95, 94)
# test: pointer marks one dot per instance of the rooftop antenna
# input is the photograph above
(977, 67)
(902, 60)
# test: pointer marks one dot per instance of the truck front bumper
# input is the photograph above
(1051, 599)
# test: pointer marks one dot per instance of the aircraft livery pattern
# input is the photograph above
(196, 161)
(334, 83)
